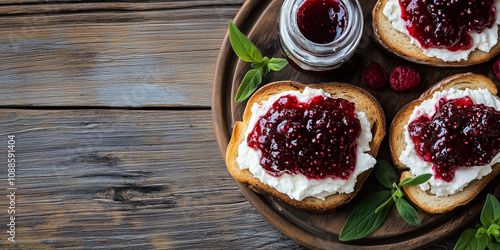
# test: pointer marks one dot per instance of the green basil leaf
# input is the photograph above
(258, 65)
(468, 240)
(491, 211)
(276, 64)
(407, 212)
(250, 83)
(415, 181)
(263, 65)
(363, 220)
(385, 173)
(243, 47)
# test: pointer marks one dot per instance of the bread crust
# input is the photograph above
(399, 44)
(363, 101)
(425, 200)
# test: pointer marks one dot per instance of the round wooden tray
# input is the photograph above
(258, 19)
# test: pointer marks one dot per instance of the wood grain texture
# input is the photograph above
(125, 179)
(113, 54)
(116, 178)
(57, 7)
(258, 21)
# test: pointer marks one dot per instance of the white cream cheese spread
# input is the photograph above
(483, 41)
(299, 186)
(464, 175)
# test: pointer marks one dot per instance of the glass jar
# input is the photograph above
(316, 58)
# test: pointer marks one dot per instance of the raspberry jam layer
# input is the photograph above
(446, 24)
(460, 134)
(317, 138)
(321, 21)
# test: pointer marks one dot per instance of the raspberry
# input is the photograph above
(374, 76)
(496, 68)
(404, 78)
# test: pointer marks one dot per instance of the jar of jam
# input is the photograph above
(318, 36)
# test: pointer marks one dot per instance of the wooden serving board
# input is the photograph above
(258, 19)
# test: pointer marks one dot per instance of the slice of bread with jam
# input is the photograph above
(425, 199)
(399, 44)
(363, 101)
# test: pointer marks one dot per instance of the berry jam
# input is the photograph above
(317, 138)
(321, 21)
(460, 134)
(446, 23)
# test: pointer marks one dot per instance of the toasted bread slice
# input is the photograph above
(425, 200)
(399, 44)
(364, 102)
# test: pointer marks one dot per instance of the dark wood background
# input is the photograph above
(110, 105)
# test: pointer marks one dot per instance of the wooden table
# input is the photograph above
(109, 104)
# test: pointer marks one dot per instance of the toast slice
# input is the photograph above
(364, 102)
(425, 200)
(399, 44)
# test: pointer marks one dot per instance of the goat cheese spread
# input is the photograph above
(483, 41)
(464, 175)
(299, 186)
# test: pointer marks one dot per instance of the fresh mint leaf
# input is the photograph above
(385, 173)
(370, 213)
(487, 234)
(242, 46)
(468, 240)
(481, 231)
(397, 193)
(491, 211)
(250, 83)
(388, 202)
(276, 64)
(482, 241)
(407, 211)
(493, 231)
(363, 220)
(415, 181)
(492, 245)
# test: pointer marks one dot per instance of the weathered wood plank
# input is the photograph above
(124, 179)
(123, 2)
(115, 59)
(44, 7)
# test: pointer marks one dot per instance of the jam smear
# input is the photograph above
(460, 134)
(446, 23)
(321, 21)
(317, 138)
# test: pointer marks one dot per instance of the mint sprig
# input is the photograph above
(364, 219)
(248, 52)
(370, 213)
(486, 234)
